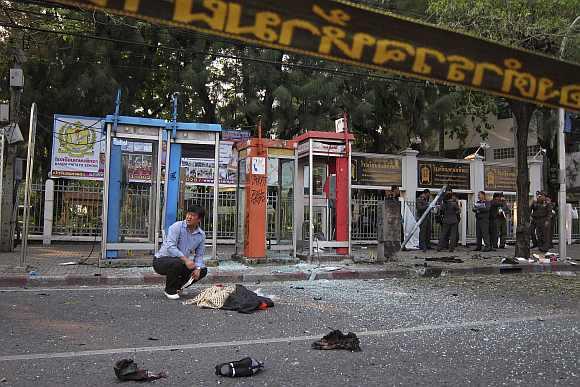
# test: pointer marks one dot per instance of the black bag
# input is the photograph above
(241, 368)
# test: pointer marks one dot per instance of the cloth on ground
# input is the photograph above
(126, 369)
(213, 298)
(338, 340)
(238, 298)
(244, 300)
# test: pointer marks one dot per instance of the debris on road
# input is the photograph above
(238, 298)
(126, 369)
(241, 368)
(509, 261)
(338, 340)
(451, 259)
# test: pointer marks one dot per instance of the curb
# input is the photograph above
(73, 280)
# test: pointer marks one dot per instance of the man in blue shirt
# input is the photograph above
(180, 258)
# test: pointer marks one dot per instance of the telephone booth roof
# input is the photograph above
(318, 135)
(185, 126)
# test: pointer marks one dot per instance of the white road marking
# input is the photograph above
(224, 344)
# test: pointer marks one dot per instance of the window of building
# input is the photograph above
(509, 153)
(503, 153)
(533, 150)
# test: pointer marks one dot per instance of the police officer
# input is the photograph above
(539, 214)
(548, 229)
(481, 209)
(425, 232)
(493, 213)
(501, 221)
(450, 214)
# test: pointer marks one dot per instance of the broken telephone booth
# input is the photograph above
(265, 200)
(322, 216)
(162, 155)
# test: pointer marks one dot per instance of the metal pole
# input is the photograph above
(1, 174)
(422, 218)
(157, 204)
(106, 177)
(562, 162)
(310, 204)
(28, 183)
(216, 187)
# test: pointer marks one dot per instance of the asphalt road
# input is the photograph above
(504, 330)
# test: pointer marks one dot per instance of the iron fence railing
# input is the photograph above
(77, 210)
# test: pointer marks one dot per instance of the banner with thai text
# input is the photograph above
(357, 35)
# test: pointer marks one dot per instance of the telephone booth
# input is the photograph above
(265, 199)
(146, 166)
(322, 216)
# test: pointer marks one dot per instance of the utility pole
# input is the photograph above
(562, 207)
(9, 214)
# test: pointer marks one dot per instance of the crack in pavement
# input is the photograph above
(419, 328)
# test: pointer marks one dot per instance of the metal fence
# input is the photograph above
(77, 209)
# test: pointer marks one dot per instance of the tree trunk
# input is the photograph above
(441, 129)
(522, 112)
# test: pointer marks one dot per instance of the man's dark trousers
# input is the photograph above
(177, 274)
(482, 233)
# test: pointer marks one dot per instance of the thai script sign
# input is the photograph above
(357, 35)
(377, 172)
(500, 178)
(436, 174)
(77, 145)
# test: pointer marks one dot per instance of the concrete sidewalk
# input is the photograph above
(45, 268)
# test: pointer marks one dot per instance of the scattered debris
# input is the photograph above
(126, 369)
(241, 368)
(475, 329)
(427, 271)
(297, 287)
(444, 259)
(317, 298)
(153, 338)
(71, 263)
(338, 340)
(3, 380)
(43, 294)
(509, 261)
(454, 294)
(565, 273)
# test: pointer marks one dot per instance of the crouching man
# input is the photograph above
(180, 258)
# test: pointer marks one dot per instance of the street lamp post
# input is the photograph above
(562, 162)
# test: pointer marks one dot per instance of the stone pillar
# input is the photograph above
(477, 175)
(409, 174)
(536, 167)
(48, 212)
(388, 230)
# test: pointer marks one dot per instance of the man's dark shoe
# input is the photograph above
(477, 249)
(486, 249)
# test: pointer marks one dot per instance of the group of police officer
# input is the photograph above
(490, 221)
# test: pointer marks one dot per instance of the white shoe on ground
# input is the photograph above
(172, 296)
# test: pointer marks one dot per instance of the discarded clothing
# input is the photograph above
(245, 301)
(126, 369)
(237, 298)
(241, 368)
(213, 298)
(337, 340)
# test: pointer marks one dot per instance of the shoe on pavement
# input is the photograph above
(172, 296)
(477, 249)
